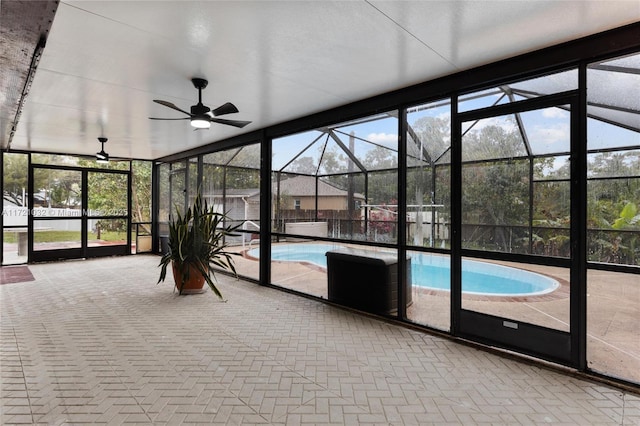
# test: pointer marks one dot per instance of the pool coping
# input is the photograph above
(561, 292)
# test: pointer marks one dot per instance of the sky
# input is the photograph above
(548, 129)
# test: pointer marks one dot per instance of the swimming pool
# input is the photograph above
(431, 271)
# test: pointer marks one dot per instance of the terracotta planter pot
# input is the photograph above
(194, 284)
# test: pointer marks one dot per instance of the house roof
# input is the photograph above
(235, 193)
(305, 186)
(298, 186)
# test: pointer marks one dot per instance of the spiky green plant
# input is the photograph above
(197, 239)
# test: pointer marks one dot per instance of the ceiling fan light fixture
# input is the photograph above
(200, 122)
(201, 116)
(102, 157)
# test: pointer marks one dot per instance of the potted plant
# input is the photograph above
(197, 244)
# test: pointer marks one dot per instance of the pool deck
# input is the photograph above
(613, 342)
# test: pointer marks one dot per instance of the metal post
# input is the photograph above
(265, 210)
(578, 298)
(456, 217)
(402, 214)
(350, 188)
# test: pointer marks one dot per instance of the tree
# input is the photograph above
(492, 142)
(496, 192)
(303, 165)
(243, 178)
(15, 178)
(61, 188)
(141, 192)
(433, 134)
(629, 217)
(380, 158)
(333, 162)
(248, 157)
(428, 181)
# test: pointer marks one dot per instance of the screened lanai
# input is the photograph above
(501, 202)
(523, 155)
(484, 185)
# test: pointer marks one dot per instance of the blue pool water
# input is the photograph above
(432, 271)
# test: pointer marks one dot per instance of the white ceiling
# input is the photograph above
(105, 61)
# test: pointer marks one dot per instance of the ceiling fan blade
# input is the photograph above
(234, 123)
(156, 118)
(227, 108)
(170, 105)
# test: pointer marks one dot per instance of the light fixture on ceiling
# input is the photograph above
(102, 157)
(201, 121)
(200, 115)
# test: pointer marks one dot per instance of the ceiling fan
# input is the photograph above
(202, 116)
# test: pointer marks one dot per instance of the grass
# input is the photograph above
(59, 236)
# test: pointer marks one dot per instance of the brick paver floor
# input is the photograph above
(98, 341)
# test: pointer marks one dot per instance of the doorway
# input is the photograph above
(518, 224)
(78, 213)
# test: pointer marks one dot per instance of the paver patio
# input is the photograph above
(98, 341)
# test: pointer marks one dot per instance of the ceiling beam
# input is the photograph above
(24, 30)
